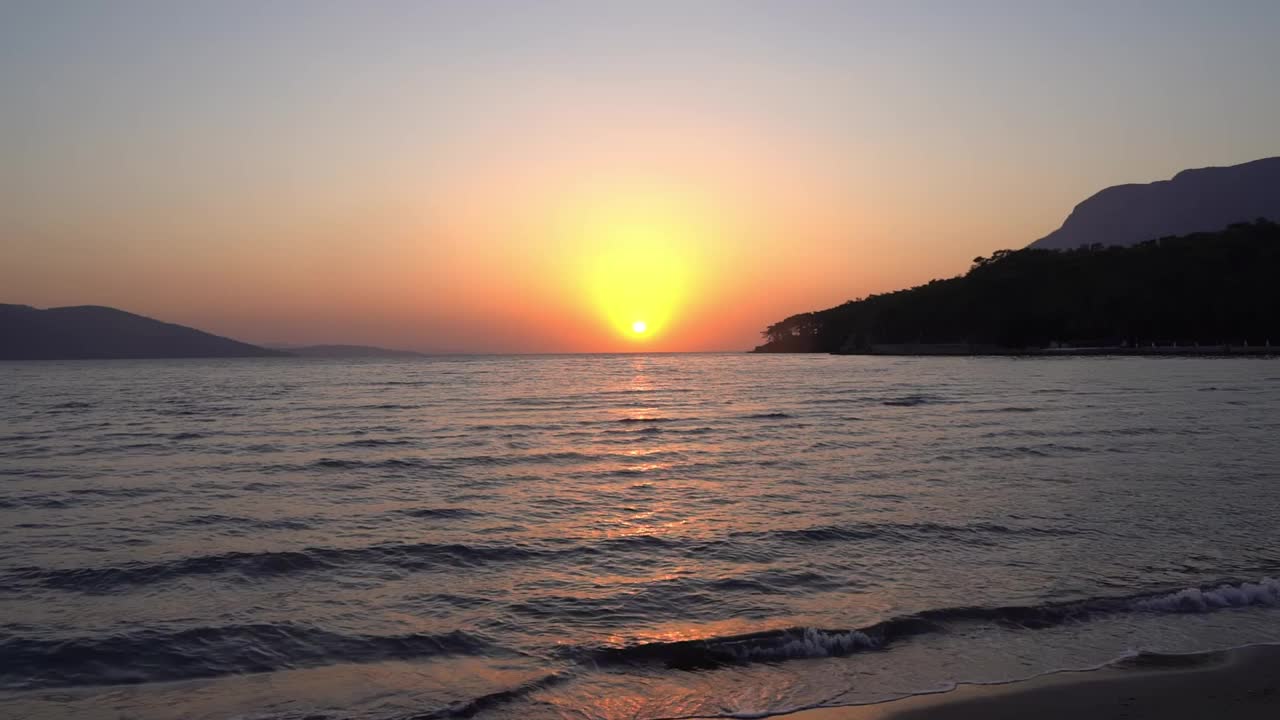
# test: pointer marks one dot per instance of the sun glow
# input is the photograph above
(638, 271)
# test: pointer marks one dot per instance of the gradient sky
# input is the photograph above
(532, 176)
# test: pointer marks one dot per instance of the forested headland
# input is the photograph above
(1209, 289)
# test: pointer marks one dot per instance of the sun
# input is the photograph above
(638, 262)
(637, 279)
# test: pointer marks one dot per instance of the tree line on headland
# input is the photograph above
(1208, 289)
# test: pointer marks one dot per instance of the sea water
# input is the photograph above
(631, 536)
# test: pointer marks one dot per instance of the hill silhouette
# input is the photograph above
(1200, 200)
(1205, 288)
(90, 331)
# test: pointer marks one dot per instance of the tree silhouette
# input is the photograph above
(1205, 288)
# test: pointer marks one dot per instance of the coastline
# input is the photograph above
(963, 350)
(1143, 351)
(1238, 683)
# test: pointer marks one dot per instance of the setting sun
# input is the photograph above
(639, 261)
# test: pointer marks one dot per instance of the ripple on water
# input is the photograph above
(499, 537)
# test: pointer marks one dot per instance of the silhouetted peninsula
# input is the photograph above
(1200, 200)
(1200, 293)
(94, 332)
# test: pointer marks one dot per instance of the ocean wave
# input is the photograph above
(375, 442)
(124, 492)
(742, 594)
(627, 433)
(771, 582)
(1041, 450)
(236, 520)
(742, 546)
(809, 642)
(1194, 600)
(448, 513)
(561, 456)
(330, 463)
(912, 400)
(476, 705)
(258, 565)
(1207, 598)
(348, 464)
(155, 655)
(23, 437)
(37, 501)
(767, 646)
(72, 405)
(980, 532)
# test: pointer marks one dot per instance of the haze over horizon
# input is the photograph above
(495, 176)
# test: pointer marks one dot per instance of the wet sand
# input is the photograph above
(1238, 684)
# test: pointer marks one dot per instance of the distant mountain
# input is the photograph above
(346, 351)
(1202, 200)
(89, 331)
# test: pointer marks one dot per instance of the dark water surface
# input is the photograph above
(617, 536)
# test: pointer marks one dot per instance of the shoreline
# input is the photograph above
(1239, 683)
(1150, 351)
(1209, 351)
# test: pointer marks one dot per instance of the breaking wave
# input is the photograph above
(808, 642)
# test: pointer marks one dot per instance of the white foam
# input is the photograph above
(1265, 592)
(809, 643)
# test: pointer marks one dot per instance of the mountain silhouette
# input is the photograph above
(90, 331)
(1200, 200)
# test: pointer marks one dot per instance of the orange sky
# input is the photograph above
(440, 177)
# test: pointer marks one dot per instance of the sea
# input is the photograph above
(618, 536)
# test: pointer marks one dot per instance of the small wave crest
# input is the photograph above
(912, 400)
(389, 463)
(809, 642)
(159, 656)
(768, 646)
(247, 522)
(973, 533)
(375, 442)
(260, 565)
(445, 513)
(1265, 592)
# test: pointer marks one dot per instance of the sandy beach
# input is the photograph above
(1243, 683)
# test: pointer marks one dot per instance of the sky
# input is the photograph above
(529, 176)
